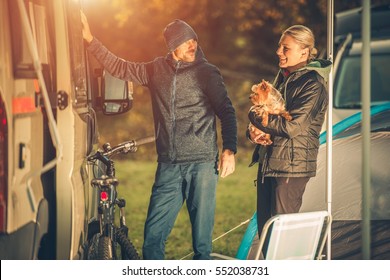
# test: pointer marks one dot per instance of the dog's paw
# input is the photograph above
(287, 116)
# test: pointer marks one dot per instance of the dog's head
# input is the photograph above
(260, 93)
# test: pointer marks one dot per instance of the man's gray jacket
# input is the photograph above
(186, 97)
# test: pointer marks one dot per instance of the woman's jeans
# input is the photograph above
(194, 183)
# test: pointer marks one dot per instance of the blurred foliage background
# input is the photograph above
(240, 37)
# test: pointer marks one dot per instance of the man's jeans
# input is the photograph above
(174, 183)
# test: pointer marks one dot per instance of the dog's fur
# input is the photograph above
(266, 100)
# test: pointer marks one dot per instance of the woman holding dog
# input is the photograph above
(290, 161)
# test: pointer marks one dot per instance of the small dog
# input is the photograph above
(266, 100)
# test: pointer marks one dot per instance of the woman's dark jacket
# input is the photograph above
(296, 142)
(186, 97)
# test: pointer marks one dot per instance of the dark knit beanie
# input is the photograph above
(178, 32)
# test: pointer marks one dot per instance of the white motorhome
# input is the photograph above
(48, 98)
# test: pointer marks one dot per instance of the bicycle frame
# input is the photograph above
(107, 199)
(106, 186)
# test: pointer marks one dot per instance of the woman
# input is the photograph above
(287, 164)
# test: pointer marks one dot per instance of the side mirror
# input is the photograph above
(117, 95)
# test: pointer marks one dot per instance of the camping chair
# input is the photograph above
(298, 236)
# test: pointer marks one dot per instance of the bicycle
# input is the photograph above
(106, 240)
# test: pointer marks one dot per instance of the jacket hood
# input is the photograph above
(321, 66)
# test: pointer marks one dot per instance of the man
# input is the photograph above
(187, 94)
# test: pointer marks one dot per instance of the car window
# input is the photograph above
(348, 81)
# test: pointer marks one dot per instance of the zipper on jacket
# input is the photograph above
(285, 89)
(292, 150)
(173, 131)
(263, 168)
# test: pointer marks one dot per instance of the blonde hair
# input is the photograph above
(304, 37)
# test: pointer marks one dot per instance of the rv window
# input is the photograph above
(40, 23)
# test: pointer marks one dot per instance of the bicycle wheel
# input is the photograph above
(103, 248)
(91, 251)
(128, 251)
(99, 248)
(104, 251)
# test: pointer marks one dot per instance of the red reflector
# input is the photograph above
(3, 213)
(103, 196)
(22, 105)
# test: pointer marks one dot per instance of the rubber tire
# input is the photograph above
(98, 248)
(105, 248)
(127, 248)
(91, 251)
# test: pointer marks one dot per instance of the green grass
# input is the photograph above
(236, 198)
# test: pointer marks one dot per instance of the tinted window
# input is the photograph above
(348, 81)
(77, 54)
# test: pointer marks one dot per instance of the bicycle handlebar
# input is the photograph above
(143, 141)
(122, 148)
